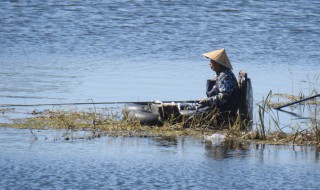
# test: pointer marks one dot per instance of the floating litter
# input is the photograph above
(216, 137)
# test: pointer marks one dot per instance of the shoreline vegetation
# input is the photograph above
(266, 127)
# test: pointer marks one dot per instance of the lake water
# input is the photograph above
(150, 163)
(140, 50)
(57, 51)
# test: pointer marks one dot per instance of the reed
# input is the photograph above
(262, 110)
(301, 132)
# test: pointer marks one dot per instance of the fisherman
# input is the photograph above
(222, 91)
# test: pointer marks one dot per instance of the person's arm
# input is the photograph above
(225, 89)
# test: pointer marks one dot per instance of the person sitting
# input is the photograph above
(222, 91)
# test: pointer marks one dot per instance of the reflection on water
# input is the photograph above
(226, 149)
(150, 163)
(166, 141)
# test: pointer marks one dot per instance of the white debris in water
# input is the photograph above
(215, 137)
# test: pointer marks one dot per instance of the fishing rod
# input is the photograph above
(95, 103)
(292, 103)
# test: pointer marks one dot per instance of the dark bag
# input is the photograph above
(211, 90)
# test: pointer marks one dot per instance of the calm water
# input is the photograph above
(150, 163)
(130, 50)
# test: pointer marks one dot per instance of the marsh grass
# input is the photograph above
(107, 121)
(303, 132)
(97, 122)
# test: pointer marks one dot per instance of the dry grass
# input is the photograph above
(267, 128)
(270, 130)
(106, 122)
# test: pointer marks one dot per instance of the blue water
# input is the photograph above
(57, 51)
(140, 50)
(150, 163)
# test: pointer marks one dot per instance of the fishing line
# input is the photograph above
(95, 103)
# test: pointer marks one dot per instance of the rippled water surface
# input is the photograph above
(150, 163)
(141, 50)
(59, 51)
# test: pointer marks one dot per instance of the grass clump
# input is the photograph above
(105, 121)
(102, 122)
(266, 128)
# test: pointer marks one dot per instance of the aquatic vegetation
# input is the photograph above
(270, 129)
(99, 122)
(266, 128)
(109, 121)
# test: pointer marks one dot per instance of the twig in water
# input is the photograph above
(35, 136)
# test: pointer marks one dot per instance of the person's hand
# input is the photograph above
(198, 106)
(215, 78)
(202, 101)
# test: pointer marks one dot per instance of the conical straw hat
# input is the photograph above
(219, 56)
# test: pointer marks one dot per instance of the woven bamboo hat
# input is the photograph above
(219, 56)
